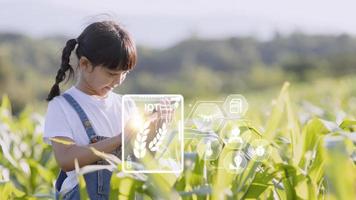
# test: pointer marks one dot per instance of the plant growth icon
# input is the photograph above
(140, 141)
(157, 141)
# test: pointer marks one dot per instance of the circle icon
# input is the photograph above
(259, 150)
(235, 162)
(235, 139)
(234, 135)
(209, 148)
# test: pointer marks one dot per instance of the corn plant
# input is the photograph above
(312, 156)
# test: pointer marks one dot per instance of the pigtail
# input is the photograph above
(65, 66)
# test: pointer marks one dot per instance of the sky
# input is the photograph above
(162, 23)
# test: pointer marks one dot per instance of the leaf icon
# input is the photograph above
(155, 144)
(140, 141)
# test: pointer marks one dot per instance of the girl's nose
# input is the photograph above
(119, 79)
(116, 81)
(122, 78)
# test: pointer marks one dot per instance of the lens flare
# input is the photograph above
(136, 122)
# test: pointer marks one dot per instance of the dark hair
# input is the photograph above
(102, 43)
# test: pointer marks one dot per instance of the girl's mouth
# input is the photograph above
(111, 87)
(108, 88)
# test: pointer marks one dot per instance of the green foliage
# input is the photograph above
(312, 157)
(30, 162)
(311, 130)
(194, 67)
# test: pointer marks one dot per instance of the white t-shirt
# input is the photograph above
(62, 120)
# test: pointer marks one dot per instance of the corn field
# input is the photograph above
(313, 154)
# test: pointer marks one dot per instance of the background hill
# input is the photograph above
(193, 67)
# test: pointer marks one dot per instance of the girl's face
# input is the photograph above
(99, 80)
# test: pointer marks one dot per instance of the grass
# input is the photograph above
(311, 134)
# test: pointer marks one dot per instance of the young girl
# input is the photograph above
(89, 113)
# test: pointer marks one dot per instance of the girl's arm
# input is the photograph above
(66, 153)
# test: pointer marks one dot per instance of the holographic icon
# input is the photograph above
(209, 151)
(207, 116)
(153, 130)
(140, 141)
(129, 162)
(209, 147)
(235, 106)
(259, 150)
(235, 162)
(156, 143)
(235, 134)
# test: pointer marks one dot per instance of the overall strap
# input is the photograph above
(82, 115)
(88, 129)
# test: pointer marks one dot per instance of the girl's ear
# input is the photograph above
(85, 64)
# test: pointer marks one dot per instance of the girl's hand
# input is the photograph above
(163, 114)
(129, 130)
(165, 111)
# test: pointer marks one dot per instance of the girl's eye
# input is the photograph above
(112, 74)
(116, 74)
(124, 73)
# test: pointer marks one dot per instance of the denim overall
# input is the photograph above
(97, 182)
